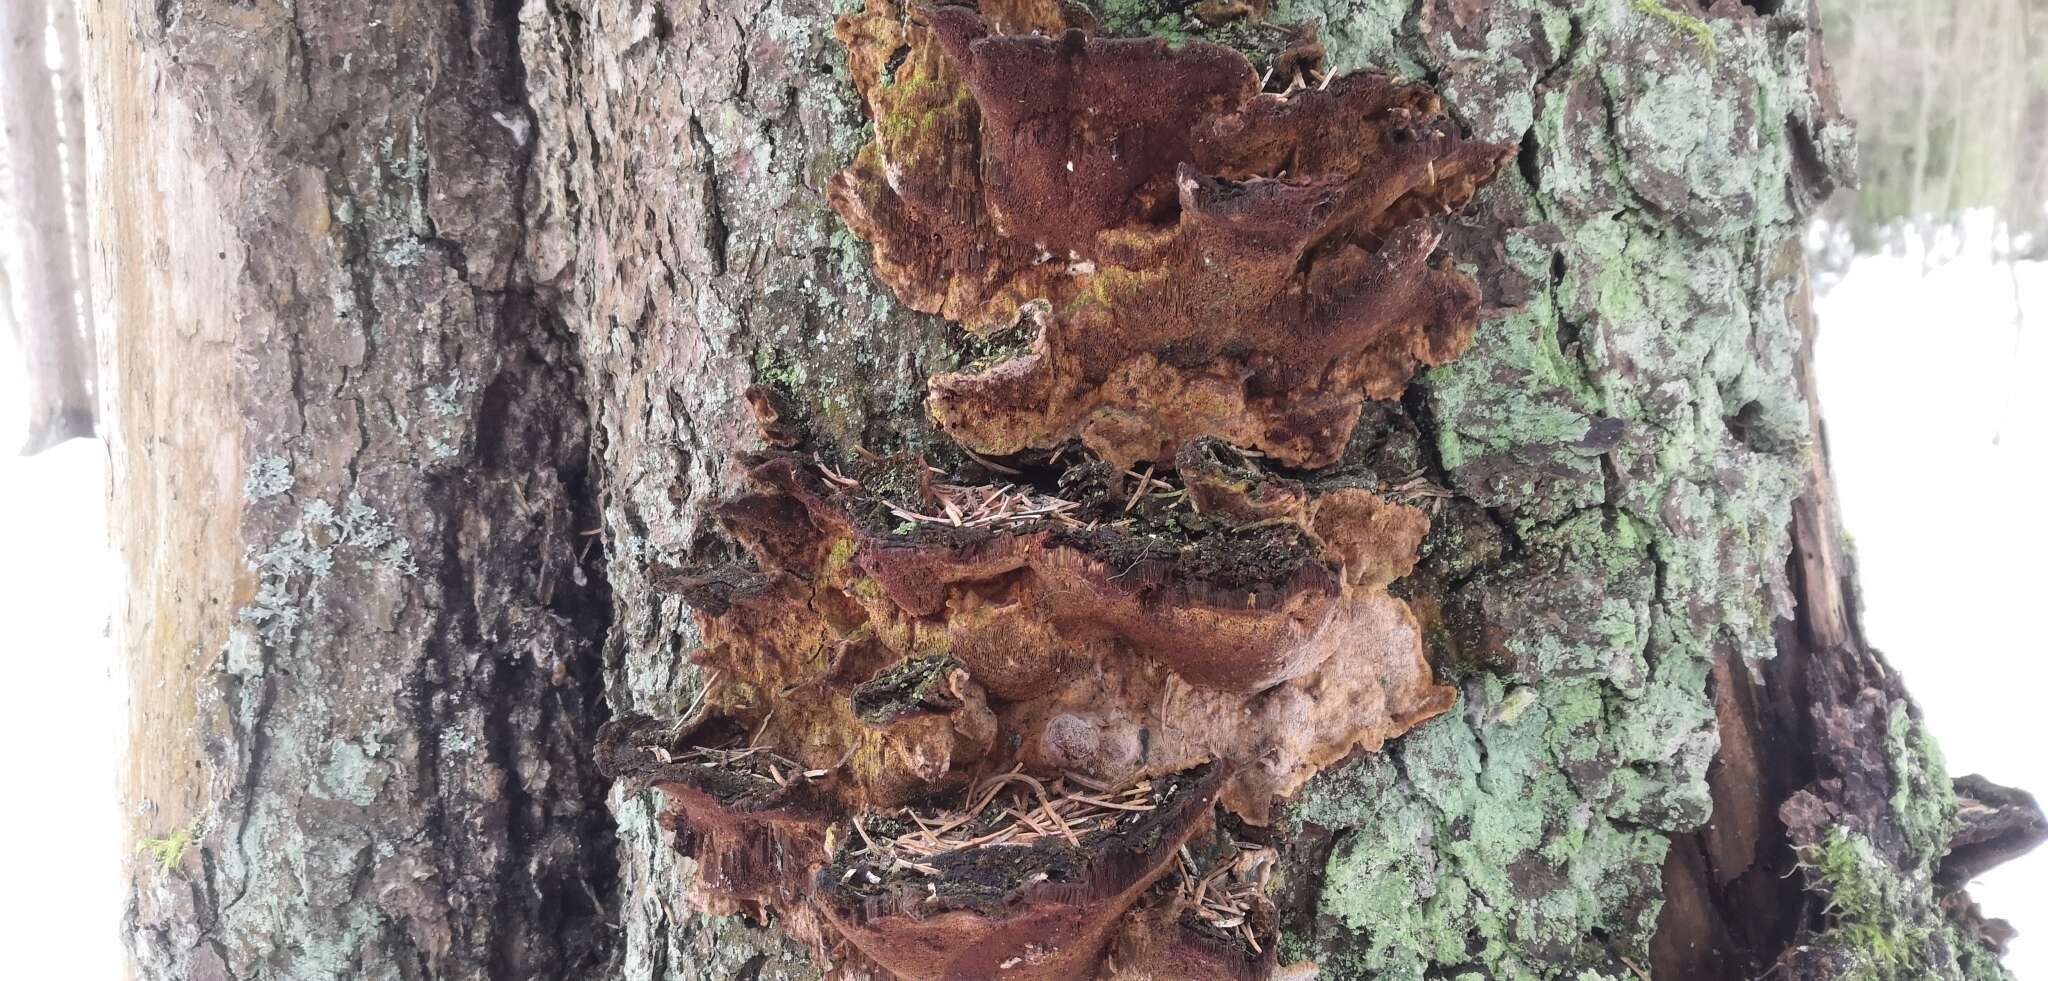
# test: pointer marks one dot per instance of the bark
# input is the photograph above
(407, 303)
(57, 367)
(362, 621)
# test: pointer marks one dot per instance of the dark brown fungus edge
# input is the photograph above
(1039, 912)
(757, 826)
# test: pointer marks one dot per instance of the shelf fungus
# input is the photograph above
(757, 823)
(1216, 259)
(1122, 653)
(1036, 729)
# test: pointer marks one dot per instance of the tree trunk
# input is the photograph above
(56, 367)
(439, 336)
(71, 100)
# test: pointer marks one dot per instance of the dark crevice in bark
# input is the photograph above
(1809, 750)
(535, 418)
(1526, 161)
(714, 217)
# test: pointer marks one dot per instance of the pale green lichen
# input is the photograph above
(353, 772)
(1475, 844)
(267, 477)
(1524, 835)
(290, 569)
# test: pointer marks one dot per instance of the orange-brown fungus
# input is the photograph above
(1219, 261)
(1036, 730)
(894, 642)
(756, 822)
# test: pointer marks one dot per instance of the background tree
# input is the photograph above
(1949, 99)
(47, 329)
(430, 328)
(70, 89)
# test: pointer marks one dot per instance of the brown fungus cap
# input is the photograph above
(1219, 261)
(859, 667)
(917, 656)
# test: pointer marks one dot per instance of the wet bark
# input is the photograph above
(429, 328)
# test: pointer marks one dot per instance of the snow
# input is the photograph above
(60, 912)
(1936, 407)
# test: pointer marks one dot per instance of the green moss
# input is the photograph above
(1884, 922)
(921, 112)
(1865, 895)
(842, 553)
(1686, 24)
(168, 851)
(1167, 19)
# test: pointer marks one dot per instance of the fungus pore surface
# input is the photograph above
(1031, 720)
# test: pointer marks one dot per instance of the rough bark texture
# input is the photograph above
(57, 363)
(408, 300)
(352, 476)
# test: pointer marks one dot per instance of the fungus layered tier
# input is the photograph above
(1216, 260)
(890, 642)
(957, 727)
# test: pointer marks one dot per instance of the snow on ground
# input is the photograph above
(1937, 411)
(1936, 405)
(60, 912)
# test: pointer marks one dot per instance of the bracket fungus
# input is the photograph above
(894, 642)
(1037, 729)
(1218, 260)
